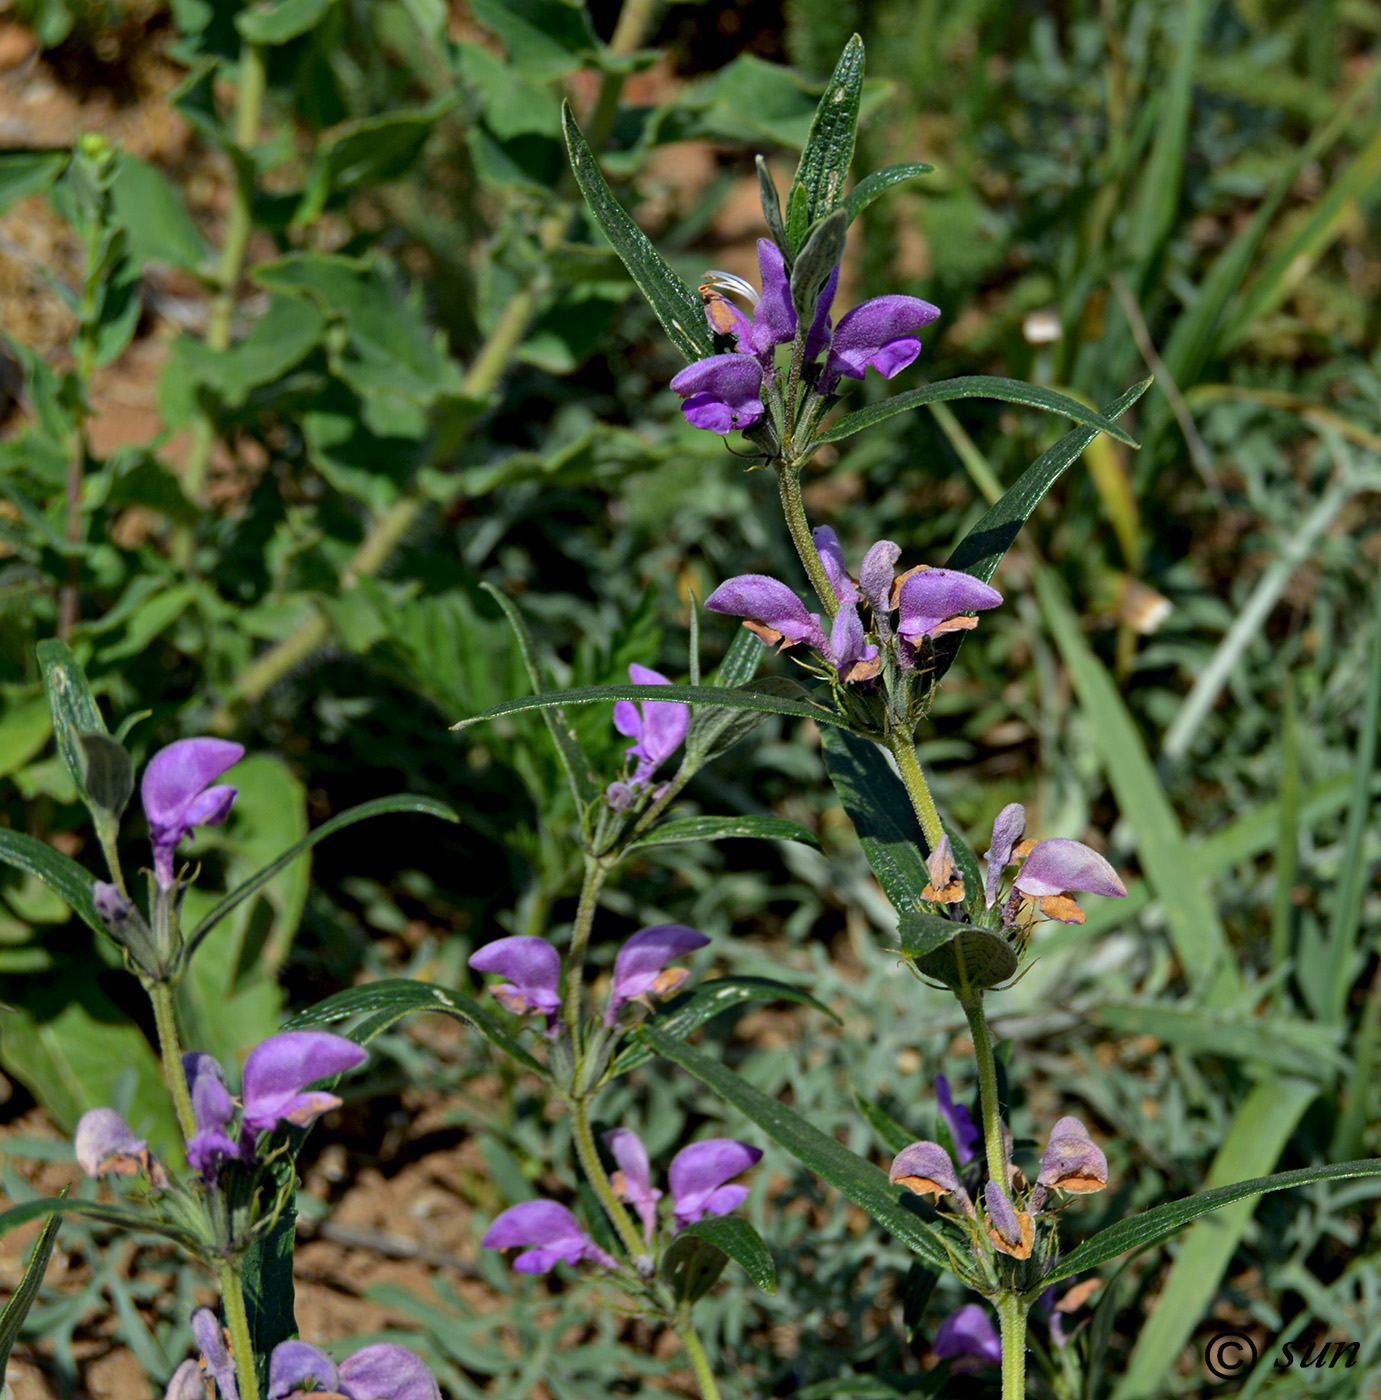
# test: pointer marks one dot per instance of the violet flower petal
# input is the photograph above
(721, 392)
(934, 596)
(968, 1334)
(1072, 1160)
(698, 1171)
(292, 1363)
(1002, 1213)
(1061, 866)
(639, 963)
(881, 333)
(663, 724)
(105, 1145)
(818, 336)
(206, 1332)
(187, 1383)
(847, 642)
(774, 320)
(832, 557)
(925, 1168)
(1008, 829)
(875, 579)
(278, 1070)
(552, 1233)
(386, 1371)
(771, 603)
(638, 1190)
(963, 1132)
(172, 785)
(532, 966)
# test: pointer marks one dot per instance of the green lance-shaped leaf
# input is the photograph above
(579, 773)
(819, 256)
(68, 880)
(977, 386)
(741, 698)
(693, 1009)
(677, 833)
(772, 211)
(23, 173)
(267, 1276)
(818, 187)
(280, 21)
(22, 1299)
(16, 1216)
(871, 186)
(404, 802)
(107, 773)
(1152, 1226)
(864, 1184)
(699, 1252)
(981, 550)
(385, 1002)
(959, 955)
(74, 708)
(677, 306)
(715, 729)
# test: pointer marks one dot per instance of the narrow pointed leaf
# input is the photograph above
(1158, 1224)
(818, 187)
(741, 661)
(871, 186)
(387, 1001)
(693, 1009)
(403, 802)
(107, 772)
(16, 1216)
(68, 880)
(741, 1242)
(865, 1185)
(676, 833)
(74, 708)
(772, 211)
(741, 698)
(715, 729)
(576, 766)
(691, 1267)
(676, 305)
(978, 386)
(22, 1299)
(819, 256)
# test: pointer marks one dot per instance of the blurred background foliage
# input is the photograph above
(317, 340)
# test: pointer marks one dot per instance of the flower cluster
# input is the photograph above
(383, 1371)
(274, 1091)
(1073, 1163)
(928, 603)
(726, 391)
(701, 1182)
(533, 969)
(656, 727)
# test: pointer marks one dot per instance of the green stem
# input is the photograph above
(595, 1174)
(1011, 1312)
(903, 749)
(972, 1002)
(237, 1320)
(596, 873)
(700, 1363)
(170, 1049)
(793, 507)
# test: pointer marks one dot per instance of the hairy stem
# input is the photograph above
(596, 873)
(237, 1321)
(903, 749)
(972, 1002)
(170, 1050)
(249, 112)
(595, 1174)
(1011, 1312)
(793, 507)
(700, 1363)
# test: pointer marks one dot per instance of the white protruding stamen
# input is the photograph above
(719, 281)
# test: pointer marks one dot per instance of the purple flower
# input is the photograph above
(105, 1145)
(779, 614)
(1053, 872)
(549, 1233)
(1072, 1161)
(962, 1131)
(277, 1073)
(934, 601)
(968, 1337)
(1012, 1231)
(633, 1180)
(214, 1111)
(640, 968)
(177, 796)
(187, 1383)
(721, 393)
(656, 726)
(533, 969)
(926, 1169)
(881, 334)
(379, 1372)
(215, 1354)
(698, 1174)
